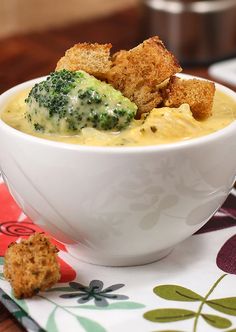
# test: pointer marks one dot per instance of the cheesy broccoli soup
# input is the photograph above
(160, 126)
(130, 98)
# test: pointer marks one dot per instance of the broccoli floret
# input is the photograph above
(68, 101)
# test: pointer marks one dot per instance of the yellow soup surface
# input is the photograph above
(160, 126)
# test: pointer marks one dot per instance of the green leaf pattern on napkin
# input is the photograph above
(127, 305)
(176, 293)
(217, 321)
(180, 293)
(51, 323)
(95, 290)
(227, 305)
(169, 315)
(89, 325)
(83, 294)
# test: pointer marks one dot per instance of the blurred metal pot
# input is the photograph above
(200, 31)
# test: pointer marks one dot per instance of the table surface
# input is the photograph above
(28, 56)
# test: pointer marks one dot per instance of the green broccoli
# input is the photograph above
(68, 101)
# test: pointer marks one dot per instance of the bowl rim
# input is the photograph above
(190, 143)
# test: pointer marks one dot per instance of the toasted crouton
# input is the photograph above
(31, 266)
(146, 99)
(92, 58)
(198, 94)
(138, 72)
(119, 57)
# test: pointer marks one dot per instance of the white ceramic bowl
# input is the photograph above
(118, 205)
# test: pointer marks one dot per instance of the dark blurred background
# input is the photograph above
(34, 34)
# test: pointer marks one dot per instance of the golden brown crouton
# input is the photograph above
(138, 73)
(92, 58)
(119, 56)
(31, 266)
(146, 99)
(197, 93)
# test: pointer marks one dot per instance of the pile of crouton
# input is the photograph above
(145, 74)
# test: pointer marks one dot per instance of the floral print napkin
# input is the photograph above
(191, 290)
